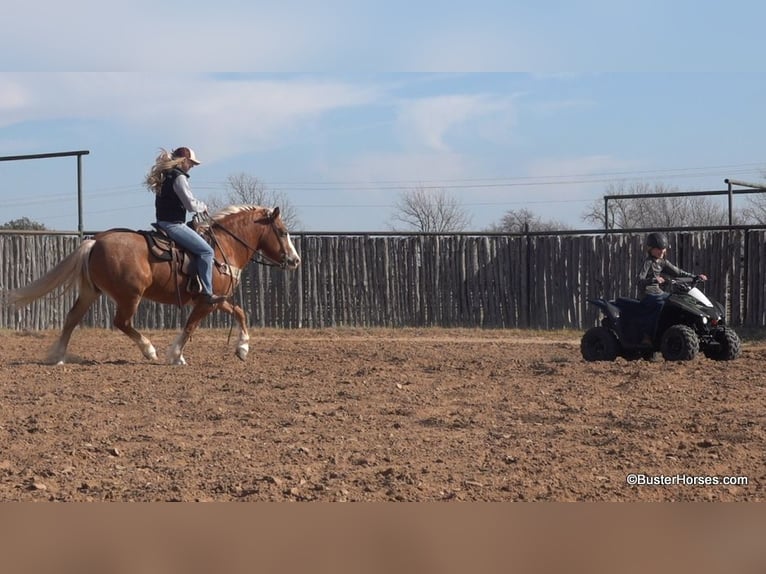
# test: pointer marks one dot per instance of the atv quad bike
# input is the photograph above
(688, 323)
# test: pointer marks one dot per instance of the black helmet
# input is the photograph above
(658, 240)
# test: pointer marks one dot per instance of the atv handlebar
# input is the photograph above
(684, 284)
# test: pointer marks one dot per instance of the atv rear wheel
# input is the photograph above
(599, 344)
(679, 343)
(728, 345)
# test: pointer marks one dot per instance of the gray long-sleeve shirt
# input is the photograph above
(183, 191)
(648, 278)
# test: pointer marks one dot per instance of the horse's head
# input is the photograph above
(276, 244)
(260, 231)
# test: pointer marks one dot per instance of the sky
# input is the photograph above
(501, 105)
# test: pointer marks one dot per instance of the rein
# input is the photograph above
(257, 256)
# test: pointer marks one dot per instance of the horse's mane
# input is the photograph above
(232, 209)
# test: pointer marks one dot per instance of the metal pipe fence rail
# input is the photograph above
(534, 280)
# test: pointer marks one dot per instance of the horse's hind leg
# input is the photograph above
(123, 320)
(87, 295)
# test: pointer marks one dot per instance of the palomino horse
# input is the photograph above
(118, 263)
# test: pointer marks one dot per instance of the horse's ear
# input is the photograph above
(275, 213)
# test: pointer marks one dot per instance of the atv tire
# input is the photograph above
(679, 343)
(599, 344)
(728, 347)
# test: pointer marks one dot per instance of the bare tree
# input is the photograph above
(430, 211)
(521, 220)
(655, 211)
(755, 212)
(23, 223)
(246, 189)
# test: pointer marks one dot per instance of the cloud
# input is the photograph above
(484, 35)
(406, 169)
(12, 98)
(89, 35)
(233, 115)
(16, 100)
(427, 122)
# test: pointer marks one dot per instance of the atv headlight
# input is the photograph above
(704, 320)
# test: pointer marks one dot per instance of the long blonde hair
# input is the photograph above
(163, 163)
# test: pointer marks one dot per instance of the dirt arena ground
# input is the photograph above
(374, 415)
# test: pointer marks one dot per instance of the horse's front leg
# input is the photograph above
(175, 352)
(243, 345)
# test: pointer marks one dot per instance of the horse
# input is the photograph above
(120, 264)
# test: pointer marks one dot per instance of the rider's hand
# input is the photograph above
(660, 280)
(701, 277)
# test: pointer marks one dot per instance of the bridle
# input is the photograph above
(257, 255)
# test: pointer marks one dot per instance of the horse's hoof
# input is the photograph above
(242, 352)
(55, 360)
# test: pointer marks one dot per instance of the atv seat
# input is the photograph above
(629, 306)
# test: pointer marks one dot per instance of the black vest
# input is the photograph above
(167, 204)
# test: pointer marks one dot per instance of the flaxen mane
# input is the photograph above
(232, 209)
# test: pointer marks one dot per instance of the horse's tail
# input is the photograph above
(70, 271)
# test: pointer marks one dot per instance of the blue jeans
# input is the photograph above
(652, 307)
(190, 240)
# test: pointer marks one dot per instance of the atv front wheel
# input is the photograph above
(727, 345)
(679, 343)
(599, 344)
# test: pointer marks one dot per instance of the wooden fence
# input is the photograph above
(494, 281)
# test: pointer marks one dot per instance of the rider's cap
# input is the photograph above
(186, 152)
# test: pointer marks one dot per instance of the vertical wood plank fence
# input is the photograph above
(491, 281)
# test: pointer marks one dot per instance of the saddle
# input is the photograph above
(160, 245)
(164, 249)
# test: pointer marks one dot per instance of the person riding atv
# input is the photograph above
(678, 320)
(652, 277)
